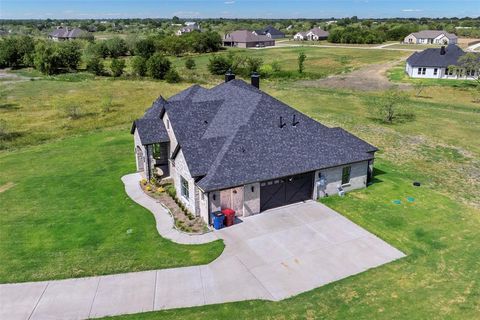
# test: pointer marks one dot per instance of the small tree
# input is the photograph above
(301, 61)
(145, 48)
(116, 47)
(253, 64)
(190, 64)
(469, 62)
(218, 65)
(117, 66)
(95, 65)
(139, 66)
(418, 86)
(172, 76)
(158, 66)
(390, 106)
(46, 59)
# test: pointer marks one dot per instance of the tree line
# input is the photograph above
(149, 53)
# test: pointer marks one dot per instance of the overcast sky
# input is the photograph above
(42, 9)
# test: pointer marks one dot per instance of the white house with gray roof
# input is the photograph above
(431, 37)
(314, 34)
(66, 33)
(435, 63)
(234, 146)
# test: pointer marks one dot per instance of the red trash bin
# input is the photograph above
(229, 216)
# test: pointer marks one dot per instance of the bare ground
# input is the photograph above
(6, 186)
(369, 78)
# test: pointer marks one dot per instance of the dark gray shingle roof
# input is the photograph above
(432, 34)
(230, 136)
(270, 29)
(151, 128)
(67, 33)
(432, 58)
(245, 36)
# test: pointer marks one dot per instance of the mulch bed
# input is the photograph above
(186, 222)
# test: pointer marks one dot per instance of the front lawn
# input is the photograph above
(439, 278)
(67, 214)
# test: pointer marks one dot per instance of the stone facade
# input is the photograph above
(328, 180)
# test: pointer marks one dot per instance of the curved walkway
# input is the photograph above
(270, 256)
(165, 222)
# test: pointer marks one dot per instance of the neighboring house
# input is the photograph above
(189, 27)
(234, 146)
(246, 39)
(3, 33)
(314, 34)
(431, 37)
(435, 63)
(62, 34)
(270, 32)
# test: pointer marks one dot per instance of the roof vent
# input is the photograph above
(295, 122)
(282, 124)
(255, 80)
(229, 76)
(442, 51)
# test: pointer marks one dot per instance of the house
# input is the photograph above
(431, 37)
(435, 63)
(62, 34)
(313, 34)
(234, 146)
(270, 32)
(246, 39)
(190, 26)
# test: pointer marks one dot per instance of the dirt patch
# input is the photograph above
(6, 186)
(370, 78)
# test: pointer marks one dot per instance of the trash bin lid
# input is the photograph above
(228, 211)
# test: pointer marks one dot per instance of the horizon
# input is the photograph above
(236, 9)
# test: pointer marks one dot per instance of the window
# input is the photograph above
(419, 70)
(424, 70)
(160, 151)
(346, 175)
(184, 187)
(435, 71)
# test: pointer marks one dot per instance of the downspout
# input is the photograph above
(148, 163)
(209, 222)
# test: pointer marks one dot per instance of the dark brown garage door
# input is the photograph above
(280, 192)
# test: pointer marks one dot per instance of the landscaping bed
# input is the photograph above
(165, 193)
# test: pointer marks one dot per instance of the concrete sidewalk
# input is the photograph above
(273, 255)
(164, 221)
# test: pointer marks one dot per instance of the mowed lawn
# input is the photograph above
(67, 214)
(439, 278)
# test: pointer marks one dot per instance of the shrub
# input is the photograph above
(95, 65)
(172, 76)
(160, 189)
(218, 65)
(158, 66)
(145, 48)
(148, 188)
(72, 110)
(144, 182)
(116, 47)
(139, 66)
(106, 104)
(253, 64)
(190, 64)
(301, 61)
(117, 66)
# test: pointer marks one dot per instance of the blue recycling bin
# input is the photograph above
(217, 219)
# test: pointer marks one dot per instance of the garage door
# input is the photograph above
(280, 192)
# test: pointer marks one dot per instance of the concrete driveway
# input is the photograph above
(300, 247)
(271, 256)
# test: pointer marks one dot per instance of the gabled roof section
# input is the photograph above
(230, 135)
(151, 128)
(67, 33)
(432, 57)
(150, 131)
(269, 29)
(432, 34)
(245, 36)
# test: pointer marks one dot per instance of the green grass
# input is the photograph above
(439, 278)
(67, 214)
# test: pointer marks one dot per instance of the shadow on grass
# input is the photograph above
(9, 106)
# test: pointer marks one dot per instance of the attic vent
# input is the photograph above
(442, 50)
(282, 124)
(295, 122)
(206, 122)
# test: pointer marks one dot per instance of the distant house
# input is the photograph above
(431, 37)
(3, 33)
(270, 32)
(190, 26)
(62, 34)
(246, 39)
(435, 62)
(314, 34)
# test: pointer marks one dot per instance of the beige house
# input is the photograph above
(247, 39)
(431, 37)
(234, 146)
